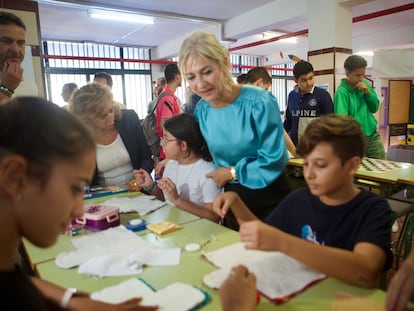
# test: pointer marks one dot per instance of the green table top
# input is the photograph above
(38, 255)
(193, 267)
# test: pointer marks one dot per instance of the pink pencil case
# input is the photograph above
(99, 217)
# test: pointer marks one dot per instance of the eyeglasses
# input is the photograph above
(165, 140)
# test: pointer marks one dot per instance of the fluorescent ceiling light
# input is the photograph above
(365, 53)
(289, 40)
(121, 16)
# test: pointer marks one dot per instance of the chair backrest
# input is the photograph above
(408, 236)
(400, 208)
(402, 245)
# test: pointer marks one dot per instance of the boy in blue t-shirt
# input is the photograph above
(332, 226)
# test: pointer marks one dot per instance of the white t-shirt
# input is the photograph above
(191, 181)
(114, 163)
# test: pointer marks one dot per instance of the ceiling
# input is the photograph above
(239, 22)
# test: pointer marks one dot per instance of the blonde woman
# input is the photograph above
(120, 141)
(241, 125)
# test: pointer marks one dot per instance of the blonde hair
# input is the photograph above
(205, 44)
(91, 100)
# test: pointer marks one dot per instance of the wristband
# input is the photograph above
(150, 188)
(6, 91)
(233, 173)
(67, 296)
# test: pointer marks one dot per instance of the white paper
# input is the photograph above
(142, 204)
(278, 275)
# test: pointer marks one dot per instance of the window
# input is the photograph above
(282, 83)
(129, 67)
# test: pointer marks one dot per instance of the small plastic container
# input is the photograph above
(136, 225)
(99, 217)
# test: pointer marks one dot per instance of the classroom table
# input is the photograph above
(389, 181)
(190, 270)
(36, 255)
(193, 267)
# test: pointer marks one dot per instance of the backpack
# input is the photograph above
(149, 126)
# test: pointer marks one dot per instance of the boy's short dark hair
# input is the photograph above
(170, 72)
(7, 18)
(354, 62)
(241, 78)
(343, 133)
(71, 86)
(302, 68)
(257, 73)
(105, 76)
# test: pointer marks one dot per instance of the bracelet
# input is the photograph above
(6, 91)
(154, 185)
(67, 296)
(233, 173)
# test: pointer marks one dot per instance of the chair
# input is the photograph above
(400, 209)
(402, 246)
(406, 239)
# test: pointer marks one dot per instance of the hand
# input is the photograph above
(221, 176)
(258, 235)
(223, 202)
(11, 75)
(238, 292)
(401, 289)
(86, 303)
(170, 189)
(362, 87)
(143, 178)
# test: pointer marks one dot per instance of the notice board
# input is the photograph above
(399, 95)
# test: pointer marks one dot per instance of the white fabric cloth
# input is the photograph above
(114, 163)
(175, 297)
(115, 251)
(142, 204)
(191, 181)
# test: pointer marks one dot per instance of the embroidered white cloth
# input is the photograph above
(175, 297)
(277, 275)
(142, 204)
(115, 251)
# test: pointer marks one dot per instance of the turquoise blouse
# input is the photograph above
(246, 134)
